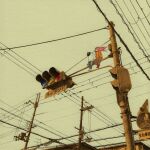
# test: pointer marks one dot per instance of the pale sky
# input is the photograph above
(25, 22)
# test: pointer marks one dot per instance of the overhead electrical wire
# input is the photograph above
(140, 19)
(122, 41)
(71, 136)
(87, 89)
(92, 114)
(20, 57)
(28, 122)
(143, 12)
(85, 57)
(115, 144)
(104, 97)
(90, 81)
(18, 62)
(134, 34)
(35, 124)
(17, 106)
(103, 117)
(18, 65)
(21, 62)
(4, 49)
(84, 90)
(137, 24)
(52, 140)
(55, 40)
(95, 130)
(148, 3)
(91, 78)
(108, 138)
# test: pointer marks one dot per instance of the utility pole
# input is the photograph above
(81, 131)
(31, 123)
(122, 85)
(80, 127)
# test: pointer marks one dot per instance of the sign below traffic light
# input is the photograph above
(143, 117)
(54, 81)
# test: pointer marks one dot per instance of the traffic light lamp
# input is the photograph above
(122, 80)
(46, 76)
(40, 79)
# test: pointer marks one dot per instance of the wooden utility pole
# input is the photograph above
(31, 123)
(81, 131)
(80, 127)
(122, 85)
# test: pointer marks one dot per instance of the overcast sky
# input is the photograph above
(25, 22)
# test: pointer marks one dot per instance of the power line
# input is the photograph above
(122, 41)
(18, 65)
(142, 12)
(104, 77)
(103, 117)
(76, 64)
(52, 140)
(134, 34)
(36, 124)
(87, 89)
(137, 25)
(139, 17)
(21, 62)
(107, 138)
(29, 121)
(20, 57)
(148, 3)
(55, 40)
(92, 81)
(115, 144)
(95, 130)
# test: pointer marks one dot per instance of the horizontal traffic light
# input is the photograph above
(54, 81)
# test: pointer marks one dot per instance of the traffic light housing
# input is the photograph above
(54, 81)
(122, 80)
